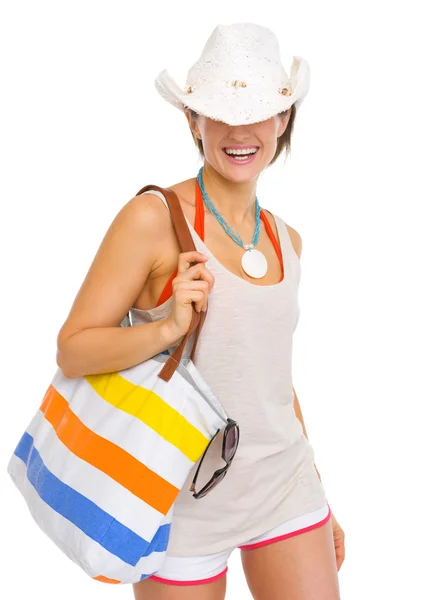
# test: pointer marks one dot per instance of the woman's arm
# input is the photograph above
(300, 417)
(91, 340)
(108, 349)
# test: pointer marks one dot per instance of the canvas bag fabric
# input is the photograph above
(105, 456)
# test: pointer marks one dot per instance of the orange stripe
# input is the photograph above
(105, 455)
(106, 579)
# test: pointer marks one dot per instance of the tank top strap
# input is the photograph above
(199, 228)
(160, 195)
(273, 239)
(199, 212)
(289, 252)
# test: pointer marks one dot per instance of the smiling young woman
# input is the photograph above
(271, 504)
(283, 141)
(241, 107)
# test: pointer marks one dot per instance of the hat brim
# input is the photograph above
(238, 106)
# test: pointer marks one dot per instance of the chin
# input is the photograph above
(237, 174)
(241, 175)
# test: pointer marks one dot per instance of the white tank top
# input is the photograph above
(244, 353)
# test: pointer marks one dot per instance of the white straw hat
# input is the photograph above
(239, 78)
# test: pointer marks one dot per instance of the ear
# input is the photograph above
(192, 123)
(284, 120)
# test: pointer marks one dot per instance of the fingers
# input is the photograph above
(186, 259)
(192, 291)
(193, 275)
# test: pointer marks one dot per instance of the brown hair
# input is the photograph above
(283, 142)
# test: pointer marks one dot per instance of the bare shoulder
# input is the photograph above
(125, 258)
(141, 222)
(148, 209)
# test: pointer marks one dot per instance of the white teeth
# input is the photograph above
(240, 152)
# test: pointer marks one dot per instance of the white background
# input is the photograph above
(83, 129)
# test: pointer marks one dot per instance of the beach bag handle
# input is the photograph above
(186, 244)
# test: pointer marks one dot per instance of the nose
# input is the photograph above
(239, 132)
(239, 128)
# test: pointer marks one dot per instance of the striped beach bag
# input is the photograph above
(105, 456)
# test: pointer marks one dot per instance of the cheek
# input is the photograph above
(211, 145)
(267, 137)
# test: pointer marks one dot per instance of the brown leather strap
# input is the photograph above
(186, 244)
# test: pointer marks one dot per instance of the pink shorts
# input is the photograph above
(195, 570)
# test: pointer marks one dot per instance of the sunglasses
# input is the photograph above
(230, 444)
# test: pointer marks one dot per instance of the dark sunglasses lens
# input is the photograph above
(232, 439)
(211, 484)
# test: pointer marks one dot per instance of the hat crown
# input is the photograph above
(238, 78)
(242, 51)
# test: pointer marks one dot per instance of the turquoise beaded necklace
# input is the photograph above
(254, 262)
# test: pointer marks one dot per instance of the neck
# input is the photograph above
(235, 201)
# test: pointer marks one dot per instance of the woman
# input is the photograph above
(240, 108)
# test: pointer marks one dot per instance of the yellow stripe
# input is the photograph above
(152, 410)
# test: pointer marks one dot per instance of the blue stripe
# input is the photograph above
(85, 514)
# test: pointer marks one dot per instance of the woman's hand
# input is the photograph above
(338, 535)
(191, 287)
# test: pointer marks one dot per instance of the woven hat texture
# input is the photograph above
(239, 78)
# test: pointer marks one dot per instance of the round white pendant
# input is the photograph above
(254, 263)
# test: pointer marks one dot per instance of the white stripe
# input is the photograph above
(93, 483)
(85, 552)
(126, 431)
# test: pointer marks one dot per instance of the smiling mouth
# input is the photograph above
(241, 152)
(241, 156)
